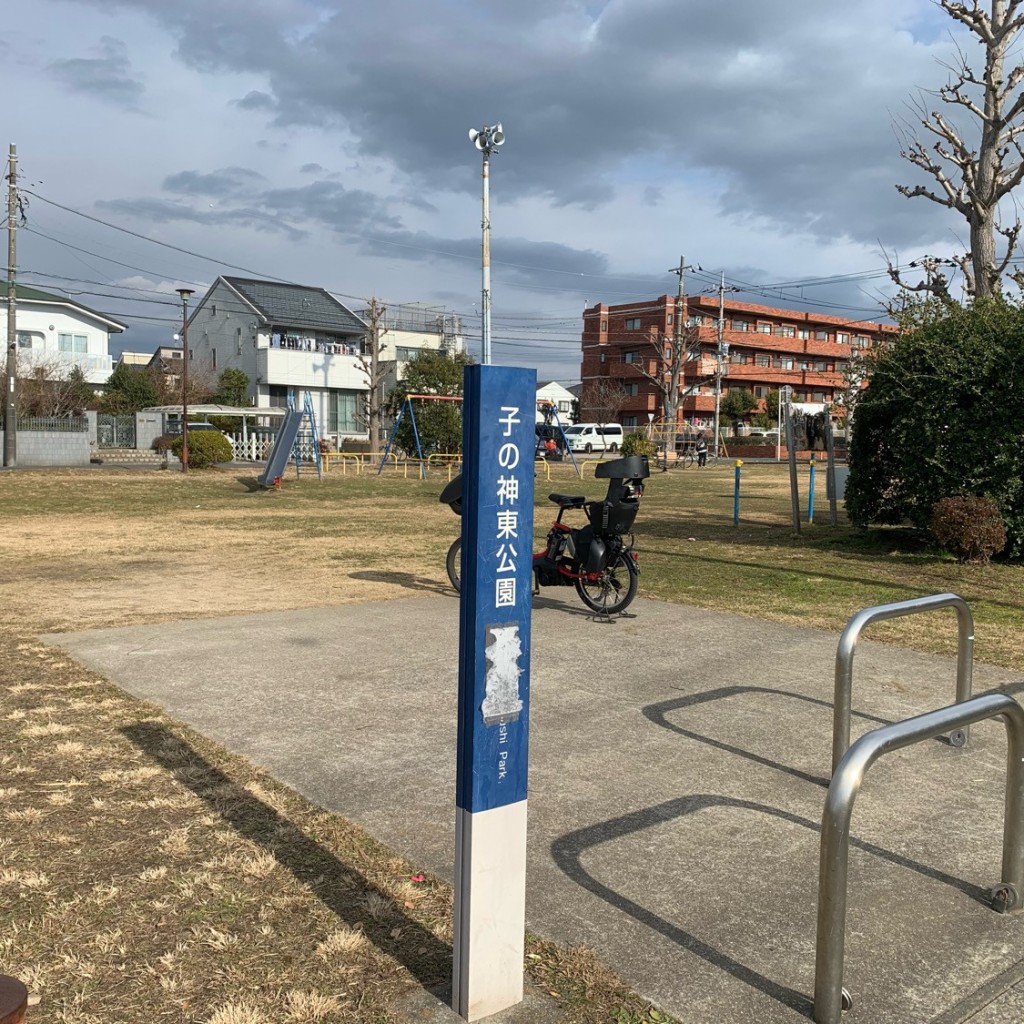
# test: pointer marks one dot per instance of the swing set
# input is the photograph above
(549, 411)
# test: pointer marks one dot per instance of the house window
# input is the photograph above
(819, 396)
(213, 358)
(670, 319)
(803, 334)
(238, 339)
(821, 335)
(404, 353)
(72, 343)
(342, 408)
(842, 339)
(629, 421)
(786, 362)
(565, 407)
(695, 321)
(821, 366)
(763, 328)
(632, 390)
(763, 359)
(631, 357)
(863, 342)
(633, 324)
(213, 309)
(786, 330)
(604, 325)
(740, 325)
(30, 339)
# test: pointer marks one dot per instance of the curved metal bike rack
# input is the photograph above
(829, 995)
(848, 642)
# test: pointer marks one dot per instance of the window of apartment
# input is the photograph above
(633, 323)
(842, 338)
(342, 407)
(72, 343)
(763, 328)
(820, 365)
(841, 366)
(763, 359)
(632, 390)
(629, 421)
(760, 390)
(694, 320)
(803, 334)
(818, 396)
(821, 335)
(786, 362)
(805, 364)
(786, 330)
(736, 357)
(403, 353)
(670, 319)
(740, 325)
(863, 342)
(631, 357)
(604, 325)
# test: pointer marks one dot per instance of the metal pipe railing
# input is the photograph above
(835, 829)
(842, 702)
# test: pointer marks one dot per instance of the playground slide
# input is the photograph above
(282, 449)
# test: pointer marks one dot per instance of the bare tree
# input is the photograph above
(50, 387)
(973, 171)
(602, 398)
(670, 356)
(375, 373)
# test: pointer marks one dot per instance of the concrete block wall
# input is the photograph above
(51, 448)
(148, 427)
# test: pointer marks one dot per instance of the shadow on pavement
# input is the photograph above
(425, 957)
(657, 713)
(568, 851)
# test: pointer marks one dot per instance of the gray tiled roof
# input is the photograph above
(295, 305)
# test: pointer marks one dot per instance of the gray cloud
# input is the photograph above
(229, 182)
(256, 100)
(106, 76)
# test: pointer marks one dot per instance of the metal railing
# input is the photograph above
(848, 643)
(55, 424)
(829, 996)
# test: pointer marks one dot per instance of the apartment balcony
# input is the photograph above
(96, 367)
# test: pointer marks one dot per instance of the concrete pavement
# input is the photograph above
(678, 765)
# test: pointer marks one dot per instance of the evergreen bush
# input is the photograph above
(205, 448)
(638, 443)
(941, 416)
(970, 528)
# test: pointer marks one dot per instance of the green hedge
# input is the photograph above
(205, 448)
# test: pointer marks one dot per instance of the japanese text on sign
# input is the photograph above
(507, 525)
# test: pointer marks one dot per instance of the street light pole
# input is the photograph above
(486, 139)
(184, 293)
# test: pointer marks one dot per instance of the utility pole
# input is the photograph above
(10, 402)
(679, 353)
(184, 293)
(719, 356)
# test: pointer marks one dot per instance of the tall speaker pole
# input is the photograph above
(487, 140)
(10, 400)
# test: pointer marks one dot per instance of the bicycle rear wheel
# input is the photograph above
(615, 589)
(453, 563)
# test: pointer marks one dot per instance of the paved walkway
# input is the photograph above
(678, 765)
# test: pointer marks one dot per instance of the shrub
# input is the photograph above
(638, 443)
(162, 444)
(970, 528)
(205, 447)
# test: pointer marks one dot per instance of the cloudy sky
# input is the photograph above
(325, 143)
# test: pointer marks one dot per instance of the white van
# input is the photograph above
(594, 437)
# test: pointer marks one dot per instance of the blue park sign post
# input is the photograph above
(498, 438)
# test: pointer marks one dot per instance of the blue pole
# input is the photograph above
(810, 496)
(736, 496)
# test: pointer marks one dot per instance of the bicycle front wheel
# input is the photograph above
(685, 460)
(614, 589)
(453, 563)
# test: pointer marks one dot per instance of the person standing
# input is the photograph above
(702, 450)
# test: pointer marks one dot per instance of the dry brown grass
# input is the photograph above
(145, 873)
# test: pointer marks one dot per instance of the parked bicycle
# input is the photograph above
(597, 559)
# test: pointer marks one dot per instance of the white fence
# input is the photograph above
(256, 445)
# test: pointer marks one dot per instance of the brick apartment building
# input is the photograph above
(764, 349)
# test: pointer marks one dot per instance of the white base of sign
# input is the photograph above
(490, 910)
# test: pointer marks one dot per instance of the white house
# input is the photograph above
(288, 337)
(58, 333)
(551, 393)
